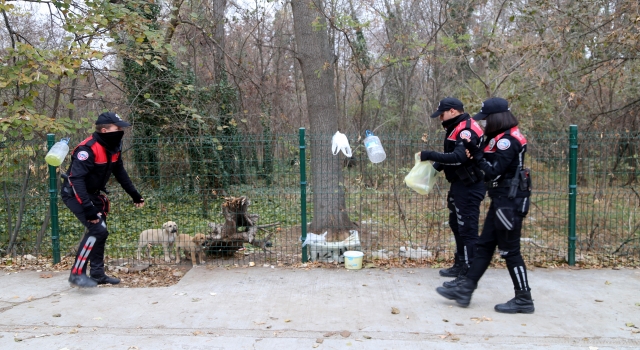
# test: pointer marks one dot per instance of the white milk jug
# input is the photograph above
(374, 148)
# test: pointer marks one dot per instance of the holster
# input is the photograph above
(468, 174)
(525, 179)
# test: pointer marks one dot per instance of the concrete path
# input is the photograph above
(265, 308)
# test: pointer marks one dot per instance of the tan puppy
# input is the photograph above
(190, 244)
(165, 236)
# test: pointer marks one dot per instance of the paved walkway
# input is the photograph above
(265, 308)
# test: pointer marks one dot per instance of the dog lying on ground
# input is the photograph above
(165, 236)
(190, 244)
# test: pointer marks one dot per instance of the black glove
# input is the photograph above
(425, 155)
(91, 213)
(137, 198)
(475, 151)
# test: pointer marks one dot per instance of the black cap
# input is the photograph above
(492, 106)
(111, 118)
(446, 104)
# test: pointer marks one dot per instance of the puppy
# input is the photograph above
(190, 244)
(165, 236)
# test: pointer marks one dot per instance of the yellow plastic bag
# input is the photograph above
(422, 177)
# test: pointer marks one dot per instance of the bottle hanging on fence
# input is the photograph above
(374, 148)
(58, 152)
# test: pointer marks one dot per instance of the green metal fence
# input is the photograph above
(186, 180)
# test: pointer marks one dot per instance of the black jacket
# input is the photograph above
(458, 130)
(91, 166)
(502, 159)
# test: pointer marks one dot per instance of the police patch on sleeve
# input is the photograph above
(504, 144)
(465, 134)
(83, 155)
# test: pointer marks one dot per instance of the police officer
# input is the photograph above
(509, 186)
(467, 190)
(92, 163)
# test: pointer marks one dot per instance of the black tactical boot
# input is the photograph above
(82, 281)
(454, 270)
(461, 293)
(453, 283)
(105, 279)
(521, 303)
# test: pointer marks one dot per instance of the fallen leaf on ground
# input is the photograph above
(197, 333)
(57, 315)
(319, 340)
(480, 319)
(607, 282)
(395, 310)
(329, 334)
(630, 324)
(46, 275)
(345, 334)
(366, 337)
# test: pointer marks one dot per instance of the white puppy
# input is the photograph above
(190, 244)
(165, 236)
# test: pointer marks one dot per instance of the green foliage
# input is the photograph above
(28, 70)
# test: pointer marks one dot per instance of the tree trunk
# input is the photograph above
(316, 61)
(219, 7)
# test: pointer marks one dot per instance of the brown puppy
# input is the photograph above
(190, 244)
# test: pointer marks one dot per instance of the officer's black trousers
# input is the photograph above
(508, 243)
(91, 246)
(464, 212)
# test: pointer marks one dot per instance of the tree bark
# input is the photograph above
(317, 64)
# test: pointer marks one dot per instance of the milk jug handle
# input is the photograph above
(368, 133)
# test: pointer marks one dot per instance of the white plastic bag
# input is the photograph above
(314, 238)
(340, 143)
(422, 177)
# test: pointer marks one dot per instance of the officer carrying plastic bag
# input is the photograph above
(422, 177)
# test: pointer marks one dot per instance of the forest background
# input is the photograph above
(170, 63)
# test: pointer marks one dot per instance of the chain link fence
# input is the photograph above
(188, 180)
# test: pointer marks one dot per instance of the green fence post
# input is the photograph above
(53, 204)
(303, 194)
(573, 189)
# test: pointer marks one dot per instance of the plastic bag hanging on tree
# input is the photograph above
(374, 148)
(58, 152)
(339, 142)
(422, 177)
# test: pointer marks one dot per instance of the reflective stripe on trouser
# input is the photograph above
(508, 243)
(464, 212)
(81, 259)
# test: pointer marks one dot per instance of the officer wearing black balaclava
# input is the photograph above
(467, 189)
(84, 193)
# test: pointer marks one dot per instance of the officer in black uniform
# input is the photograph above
(92, 163)
(467, 190)
(509, 186)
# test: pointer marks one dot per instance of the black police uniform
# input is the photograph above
(509, 186)
(92, 163)
(467, 189)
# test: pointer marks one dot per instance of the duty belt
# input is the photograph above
(495, 184)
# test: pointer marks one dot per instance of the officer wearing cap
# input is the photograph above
(467, 190)
(508, 183)
(93, 161)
